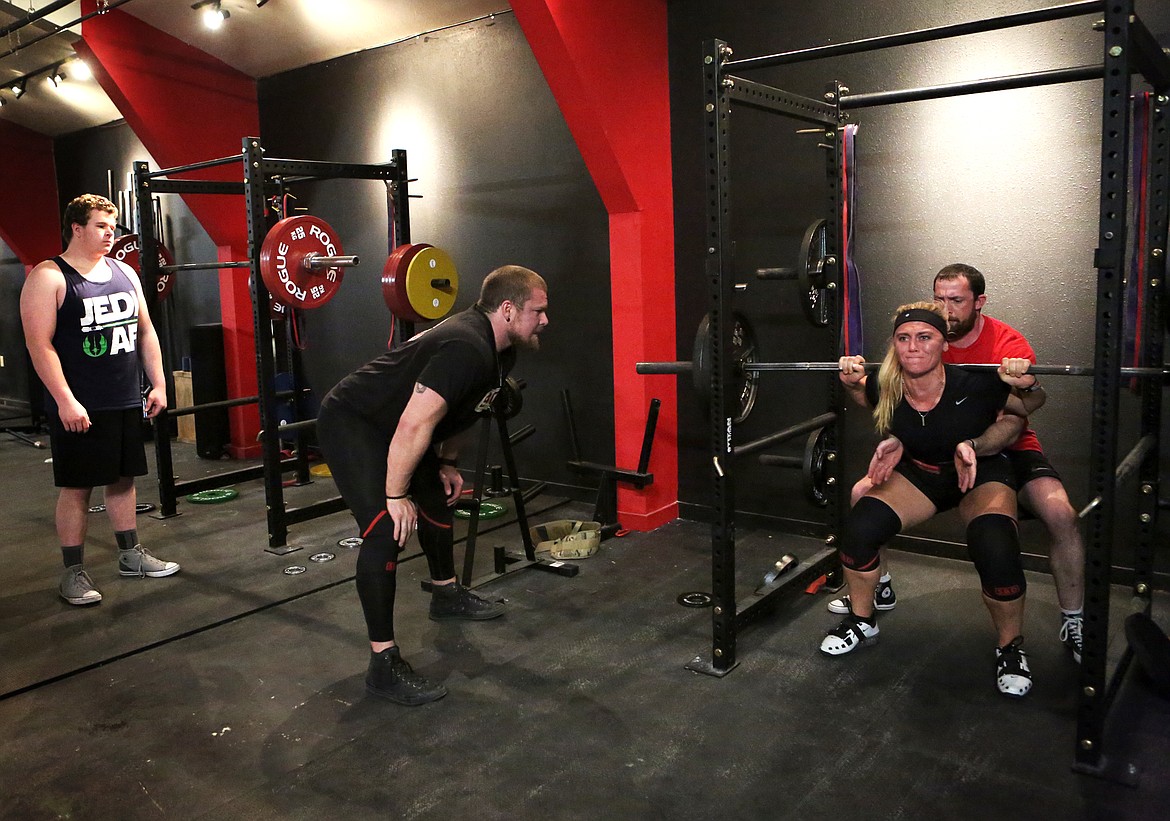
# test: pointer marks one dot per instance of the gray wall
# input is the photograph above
(1007, 182)
(501, 182)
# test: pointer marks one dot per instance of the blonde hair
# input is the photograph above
(889, 374)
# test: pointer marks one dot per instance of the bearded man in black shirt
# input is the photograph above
(392, 431)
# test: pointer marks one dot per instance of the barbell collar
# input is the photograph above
(318, 262)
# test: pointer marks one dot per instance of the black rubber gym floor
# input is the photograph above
(232, 690)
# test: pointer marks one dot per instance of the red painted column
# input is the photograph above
(186, 107)
(31, 224)
(606, 63)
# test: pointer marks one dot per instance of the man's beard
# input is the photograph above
(958, 331)
(531, 342)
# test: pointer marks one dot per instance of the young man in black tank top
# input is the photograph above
(89, 335)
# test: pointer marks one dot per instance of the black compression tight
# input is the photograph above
(356, 451)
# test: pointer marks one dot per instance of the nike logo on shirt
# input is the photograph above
(960, 401)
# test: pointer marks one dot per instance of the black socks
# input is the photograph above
(72, 554)
(127, 539)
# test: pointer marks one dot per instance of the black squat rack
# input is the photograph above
(261, 178)
(1128, 49)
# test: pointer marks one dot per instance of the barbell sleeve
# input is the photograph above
(316, 262)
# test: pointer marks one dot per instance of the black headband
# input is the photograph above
(922, 315)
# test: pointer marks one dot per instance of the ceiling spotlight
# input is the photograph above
(213, 14)
(56, 78)
(17, 89)
(80, 70)
(3, 102)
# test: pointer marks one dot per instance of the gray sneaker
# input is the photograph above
(77, 587)
(137, 561)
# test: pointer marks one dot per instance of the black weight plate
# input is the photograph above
(813, 470)
(743, 352)
(814, 295)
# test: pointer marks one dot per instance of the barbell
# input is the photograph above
(745, 368)
(302, 265)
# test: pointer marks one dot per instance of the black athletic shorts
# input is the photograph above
(110, 450)
(1030, 464)
(941, 486)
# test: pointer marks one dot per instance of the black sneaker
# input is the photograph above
(884, 598)
(1012, 676)
(1070, 635)
(391, 677)
(454, 601)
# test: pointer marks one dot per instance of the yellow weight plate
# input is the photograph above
(432, 283)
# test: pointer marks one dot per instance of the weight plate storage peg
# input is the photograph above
(300, 262)
(419, 282)
(127, 249)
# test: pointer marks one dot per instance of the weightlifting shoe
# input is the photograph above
(884, 598)
(137, 561)
(391, 677)
(454, 601)
(77, 587)
(847, 636)
(1012, 676)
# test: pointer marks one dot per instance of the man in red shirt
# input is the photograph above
(976, 338)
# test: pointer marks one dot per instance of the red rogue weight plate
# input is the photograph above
(127, 249)
(394, 281)
(283, 257)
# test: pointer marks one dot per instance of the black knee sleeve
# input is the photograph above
(870, 524)
(377, 581)
(994, 544)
